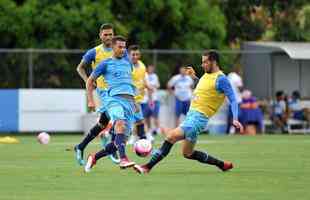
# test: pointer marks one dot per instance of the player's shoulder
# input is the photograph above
(141, 64)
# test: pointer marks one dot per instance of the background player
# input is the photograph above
(93, 57)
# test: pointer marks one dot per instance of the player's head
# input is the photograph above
(280, 95)
(150, 69)
(210, 61)
(296, 95)
(182, 70)
(118, 46)
(134, 53)
(106, 34)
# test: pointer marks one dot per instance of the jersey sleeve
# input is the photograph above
(99, 70)
(89, 56)
(223, 85)
(172, 81)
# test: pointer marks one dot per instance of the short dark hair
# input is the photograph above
(106, 26)
(212, 56)
(279, 93)
(118, 38)
(296, 94)
(133, 48)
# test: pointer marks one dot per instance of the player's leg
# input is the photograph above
(93, 158)
(155, 114)
(173, 136)
(94, 131)
(178, 111)
(193, 124)
(203, 157)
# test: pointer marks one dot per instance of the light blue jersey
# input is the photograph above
(117, 73)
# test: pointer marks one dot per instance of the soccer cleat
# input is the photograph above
(227, 166)
(79, 156)
(125, 163)
(114, 158)
(91, 161)
(141, 169)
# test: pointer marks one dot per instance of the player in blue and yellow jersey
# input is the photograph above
(120, 103)
(138, 77)
(209, 95)
(92, 58)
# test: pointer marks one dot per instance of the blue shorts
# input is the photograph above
(138, 116)
(119, 108)
(181, 107)
(103, 94)
(150, 111)
(193, 124)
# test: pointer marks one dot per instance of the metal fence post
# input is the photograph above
(30, 68)
(155, 57)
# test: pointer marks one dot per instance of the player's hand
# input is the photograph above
(238, 125)
(91, 105)
(190, 71)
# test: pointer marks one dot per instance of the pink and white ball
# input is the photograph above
(143, 147)
(43, 138)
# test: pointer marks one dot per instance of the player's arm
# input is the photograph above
(191, 72)
(90, 83)
(81, 70)
(171, 83)
(224, 86)
(85, 62)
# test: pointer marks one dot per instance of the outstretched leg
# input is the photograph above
(172, 137)
(203, 157)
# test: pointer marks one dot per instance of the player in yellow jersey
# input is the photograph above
(209, 94)
(138, 77)
(92, 58)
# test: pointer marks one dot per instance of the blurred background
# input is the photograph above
(266, 42)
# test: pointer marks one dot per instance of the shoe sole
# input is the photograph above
(127, 166)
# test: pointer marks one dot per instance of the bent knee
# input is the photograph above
(187, 155)
(120, 126)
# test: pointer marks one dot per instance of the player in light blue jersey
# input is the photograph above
(120, 105)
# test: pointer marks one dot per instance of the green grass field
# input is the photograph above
(266, 167)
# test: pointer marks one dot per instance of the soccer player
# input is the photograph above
(120, 103)
(93, 57)
(138, 77)
(151, 105)
(183, 86)
(209, 94)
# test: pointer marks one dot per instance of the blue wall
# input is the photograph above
(9, 110)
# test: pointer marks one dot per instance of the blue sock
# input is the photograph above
(109, 149)
(120, 144)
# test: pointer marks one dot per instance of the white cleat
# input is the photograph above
(91, 161)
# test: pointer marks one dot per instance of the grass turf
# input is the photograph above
(266, 167)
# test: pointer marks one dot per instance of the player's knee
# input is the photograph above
(120, 126)
(187, 155)
(170, 138)
(103, 120)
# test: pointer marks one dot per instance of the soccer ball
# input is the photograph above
(143, 147)
(43, 138)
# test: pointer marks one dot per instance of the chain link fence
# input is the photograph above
(56, 68)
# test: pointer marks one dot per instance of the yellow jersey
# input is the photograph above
(94, 56)
(206, 98)
(138, 77)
